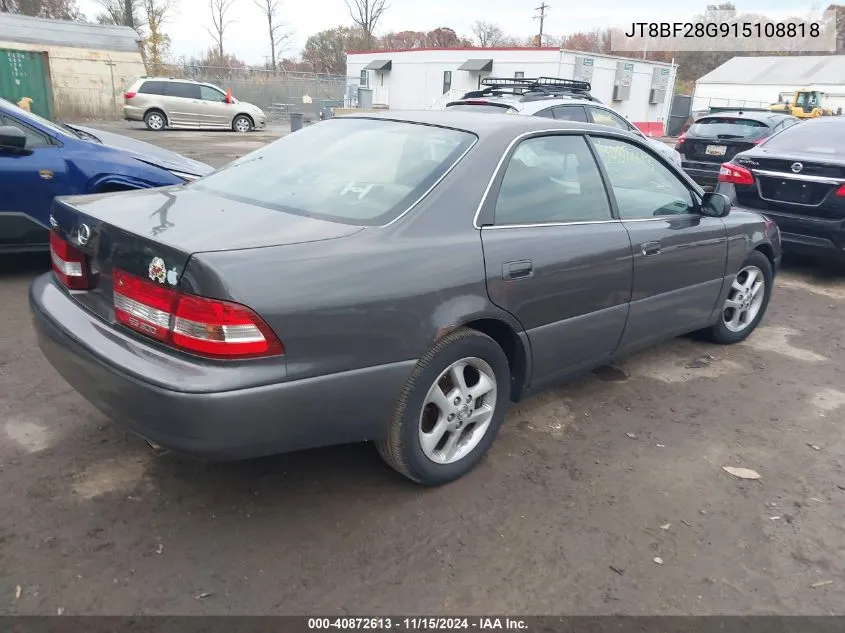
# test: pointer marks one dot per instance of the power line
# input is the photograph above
(542, 17)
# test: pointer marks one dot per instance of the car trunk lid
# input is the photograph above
(717, 139)
(798, 184)
(152, 234)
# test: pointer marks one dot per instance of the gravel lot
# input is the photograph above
(587, 485)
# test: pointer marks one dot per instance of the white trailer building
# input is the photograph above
(422, 78)
(757, 82)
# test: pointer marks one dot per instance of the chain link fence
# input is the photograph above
(277, 92)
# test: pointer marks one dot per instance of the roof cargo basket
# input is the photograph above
(532, 88)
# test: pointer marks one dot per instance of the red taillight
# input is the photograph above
(735, 174)
(680, 140)
(841, 190)
(69, 263)
(208, 327)
(129, 95)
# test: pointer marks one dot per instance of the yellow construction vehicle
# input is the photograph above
(804, 104)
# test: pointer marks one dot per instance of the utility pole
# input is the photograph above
(542, 17)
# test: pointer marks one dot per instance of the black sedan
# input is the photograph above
(797, 178)
(715, 138)
(312, 293)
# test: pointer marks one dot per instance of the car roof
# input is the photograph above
(481, 126)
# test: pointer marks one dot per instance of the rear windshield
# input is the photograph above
(482, 107)
(355, 171)
(813, 137)
(726, 127)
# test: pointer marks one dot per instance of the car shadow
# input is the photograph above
(24, 264)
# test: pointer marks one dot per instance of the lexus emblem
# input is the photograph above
(796, 167)
(83, 234)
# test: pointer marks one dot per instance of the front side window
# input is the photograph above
(644, 187)
(33, 139)
(605, 117)
(330, 171)
(552, 179)
(208, 93)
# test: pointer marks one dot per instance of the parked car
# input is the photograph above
(552, 98)
(162, 103)
(713, 139)
(797, 178)
(40, 159)
(311, 294)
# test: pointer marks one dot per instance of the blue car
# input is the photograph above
(40, 160)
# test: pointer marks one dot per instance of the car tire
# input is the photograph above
(155, 120)
(417, 428)
(242, 123)
(735, 324)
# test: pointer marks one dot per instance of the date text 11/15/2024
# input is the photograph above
(417, 624)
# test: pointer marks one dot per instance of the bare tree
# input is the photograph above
(115, 12)
(219, 9)
(276, 29)
(157, 42)
(487, 34)
(365, 14)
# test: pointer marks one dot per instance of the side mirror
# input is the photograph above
(715, 205)
(12, 138)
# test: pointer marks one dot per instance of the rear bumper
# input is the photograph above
(133, 113)
(704, 174)
(220, 424)
(812, 236)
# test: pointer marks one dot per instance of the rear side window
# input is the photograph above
(727, 127)
(552, 179)
(183, 90)
(329, 171)
(152, 88)
(570, 113)
(482, 107)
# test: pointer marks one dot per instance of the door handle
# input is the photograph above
(518, 270)
(651, 248)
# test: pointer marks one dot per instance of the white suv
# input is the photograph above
(562, 99)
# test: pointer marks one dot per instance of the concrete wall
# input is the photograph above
(415, 80)
(83, 83)
(756, 96)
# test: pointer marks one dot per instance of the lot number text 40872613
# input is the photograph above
(418, 624)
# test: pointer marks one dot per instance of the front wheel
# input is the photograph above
(746, 302)
(450, 409)
(242, 124)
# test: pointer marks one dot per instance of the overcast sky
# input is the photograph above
(247, 40)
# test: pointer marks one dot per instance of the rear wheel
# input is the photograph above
(242, 123)
(746, 303)
(154, 120)
(450, 409)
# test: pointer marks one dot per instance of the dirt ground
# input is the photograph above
(588, 486)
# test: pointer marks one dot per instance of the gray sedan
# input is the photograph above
(396, 278)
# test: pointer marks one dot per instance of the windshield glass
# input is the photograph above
(356, 171)
(34, 118)
(726, 127)
(813, 137)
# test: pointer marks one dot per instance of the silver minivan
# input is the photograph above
(162, 102)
